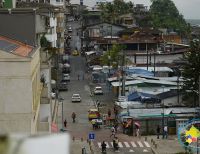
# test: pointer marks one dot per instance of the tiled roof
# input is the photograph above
(21, 49)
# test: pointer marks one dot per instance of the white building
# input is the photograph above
(20, 86)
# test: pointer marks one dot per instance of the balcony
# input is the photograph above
(59, 29)
(51, 37)
(53, 22)
(60, 19)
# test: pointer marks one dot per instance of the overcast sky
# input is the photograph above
(190, 9)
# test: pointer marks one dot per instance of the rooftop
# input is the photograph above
(15, 47)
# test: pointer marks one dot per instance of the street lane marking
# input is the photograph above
(111, 144)
(99, 144)
(131, 150)
(127, 145)
(147, 144)
(107, 145)
(133, 144)
(145, 150)
(140, 143)
(120, 145)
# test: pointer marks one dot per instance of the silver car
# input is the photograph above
(76, 98)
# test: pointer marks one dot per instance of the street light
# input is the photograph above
(163, 116)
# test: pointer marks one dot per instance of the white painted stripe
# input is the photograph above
(111, 144)
(127, 145)
(145, 150)
(140, 143)
(131, 150)
(147, 144)
(120, 145)
(99, 144)
(107, 145)
(133, 144)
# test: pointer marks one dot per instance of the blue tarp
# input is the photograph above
(143, 97)
(139, 71)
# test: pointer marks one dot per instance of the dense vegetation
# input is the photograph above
(164, 14)
(191, 73)
(111, 10)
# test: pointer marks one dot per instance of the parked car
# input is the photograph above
(62, 86)
(76, 98)
(70, 29)
(98, 91)
(75, 53)
(66, 77)
(53, 95)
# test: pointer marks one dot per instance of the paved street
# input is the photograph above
(81, 128)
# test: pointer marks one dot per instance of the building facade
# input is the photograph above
(20, 86)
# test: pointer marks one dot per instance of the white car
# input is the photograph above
(53, 95)
(76, 98)
(70, 29)
(98, 91)
(66, 77)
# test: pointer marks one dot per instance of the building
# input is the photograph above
(40, 22)
(20, 86)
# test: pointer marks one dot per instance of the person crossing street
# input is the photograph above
(73, 117)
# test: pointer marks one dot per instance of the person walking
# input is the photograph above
(113, 131)
(73, 117)
(115, 144)
(78, 76)
(65, 123)
(165, 132)
(103, 147)
(93, 124)
(109, 113)
(158, 131)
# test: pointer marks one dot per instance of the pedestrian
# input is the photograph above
(165, 132)
(137, 131)
(65, 123)
(73, 117)
(116, 126)
(158, 131)
(78, 76)
(109, 113)
(115, 144)
(93, 122)
(103, 147)
(113, 131)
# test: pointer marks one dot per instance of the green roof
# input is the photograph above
(157, 115)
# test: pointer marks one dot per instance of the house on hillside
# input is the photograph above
(101, 34)
(127, 20)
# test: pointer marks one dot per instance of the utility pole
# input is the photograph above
(199, 90)
(123, 74)
(154, 63)
(147, 56)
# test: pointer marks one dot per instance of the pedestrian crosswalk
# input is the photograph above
(132, 144)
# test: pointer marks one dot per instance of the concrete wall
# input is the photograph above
(19, 26)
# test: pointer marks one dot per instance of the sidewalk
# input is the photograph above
(164, 146)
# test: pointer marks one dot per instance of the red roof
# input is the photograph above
(22, 49)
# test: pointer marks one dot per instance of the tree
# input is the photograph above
(164, 14)
(191, 72)
(113, 57)
(111, 10)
